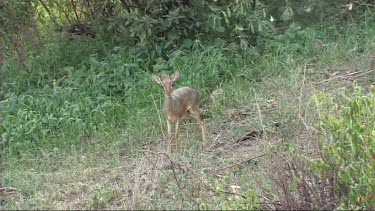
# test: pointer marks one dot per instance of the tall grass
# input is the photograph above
(79, 94)
(76, 88)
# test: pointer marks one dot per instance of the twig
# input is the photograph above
(6, 191)
(174, 172)
(160, 121)
(260, 115)
(207, 186)
(362, 74)
(252, 135)
(345, 76)
(332, 203)
(300, 112)
(213, 142)
(328, 80)
(238, 163)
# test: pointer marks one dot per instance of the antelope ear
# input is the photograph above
(176, 76)
(156, 79)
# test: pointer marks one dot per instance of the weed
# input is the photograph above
(76, 142)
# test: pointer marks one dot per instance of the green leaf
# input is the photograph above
(187, 43)
(214, 8)
(152, 54)
(287, 14)
(168, 44)
(228, 12)
(158, 50)
(173, 35)
(225, 18)
(252, 27)
(219, 41)
(220, 29)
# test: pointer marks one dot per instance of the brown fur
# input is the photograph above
(179, 102)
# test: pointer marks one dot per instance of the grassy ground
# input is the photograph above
(128, 167)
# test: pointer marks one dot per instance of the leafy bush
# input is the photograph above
(98, 93)
(82, 100)
(159, 28)
(295, 40)
(348, 148)
(232, 200)
(29, 120)
(337, 170)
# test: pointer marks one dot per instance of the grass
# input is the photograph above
(109, 153)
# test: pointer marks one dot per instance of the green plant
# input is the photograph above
(348, 147)
(237, 201)
(294, 40)
(102, 196)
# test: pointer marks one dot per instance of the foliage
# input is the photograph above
(57, 91)
(156, 28)
(96, 94)
(235, 203)
(348, 147)
(159, 28)
(308, 12)
(234, 200)
(337, 170)
(79, 102)
(102, 195)
(295, 40)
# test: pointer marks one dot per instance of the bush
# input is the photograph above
(348, 148)
(338, 172)
(85, 99)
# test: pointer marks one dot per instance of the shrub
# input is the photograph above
(337, 170)
(348, 148)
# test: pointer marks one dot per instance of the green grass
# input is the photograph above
(85, 143)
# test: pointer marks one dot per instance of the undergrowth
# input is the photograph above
(104, 105)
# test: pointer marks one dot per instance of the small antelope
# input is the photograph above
(179, 102)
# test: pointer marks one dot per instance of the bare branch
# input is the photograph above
(75, 9)
(48, 11)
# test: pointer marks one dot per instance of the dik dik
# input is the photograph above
(179, 102)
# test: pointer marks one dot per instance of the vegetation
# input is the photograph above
(350, 159)
(287, 97)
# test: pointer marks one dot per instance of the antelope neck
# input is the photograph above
(171, 103)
